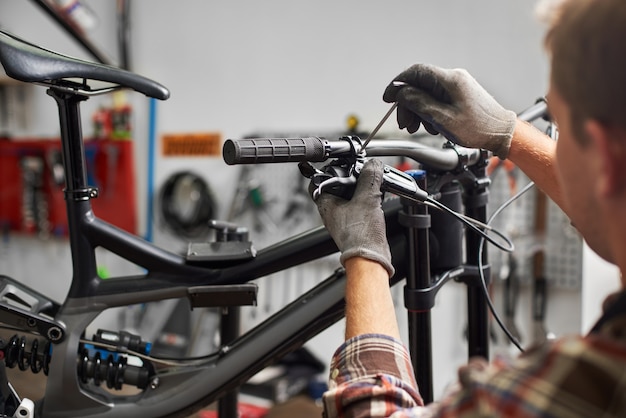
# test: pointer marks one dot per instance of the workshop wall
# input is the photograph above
(240, 67)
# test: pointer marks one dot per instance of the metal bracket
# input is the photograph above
(420, 300)
(82, 194)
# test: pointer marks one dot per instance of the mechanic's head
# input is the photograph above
(587, 99)
(586, 42)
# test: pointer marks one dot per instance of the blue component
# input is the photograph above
(103, 353)
(416, 174)
(148, 348)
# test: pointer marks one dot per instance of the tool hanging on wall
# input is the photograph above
(250, 197)
(511, 295)
(540, 285)
(34, 204)
(187, 205)
(540, 282)
(299, 204)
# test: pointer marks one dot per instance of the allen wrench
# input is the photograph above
(384, 119)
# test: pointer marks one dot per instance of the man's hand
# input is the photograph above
(358, 225)
(451, 102)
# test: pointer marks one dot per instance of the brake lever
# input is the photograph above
(341, 181)
(338, 180)
(339, 186)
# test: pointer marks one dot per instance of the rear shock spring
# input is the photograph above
(113, 371)
(15, 353)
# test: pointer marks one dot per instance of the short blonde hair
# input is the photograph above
(587, 43)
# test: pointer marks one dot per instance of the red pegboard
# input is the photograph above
(110, 168)
(244, 410)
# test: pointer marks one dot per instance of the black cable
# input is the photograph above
(473, 226)
(483, 280)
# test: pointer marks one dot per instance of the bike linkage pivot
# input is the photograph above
(26, 309)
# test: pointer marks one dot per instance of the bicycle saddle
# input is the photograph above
(30, 63)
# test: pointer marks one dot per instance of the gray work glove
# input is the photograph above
(358, 225)
(451, 102)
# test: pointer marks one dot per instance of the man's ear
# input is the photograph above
(609, 144)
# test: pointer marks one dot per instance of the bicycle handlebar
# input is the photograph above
(316, 149)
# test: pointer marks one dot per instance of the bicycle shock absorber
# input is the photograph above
(100, 369)
(16, 354)
(102, 365)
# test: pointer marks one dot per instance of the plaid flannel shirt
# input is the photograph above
(371, 376)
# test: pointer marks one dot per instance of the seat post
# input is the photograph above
(77, 192)
(71, 140)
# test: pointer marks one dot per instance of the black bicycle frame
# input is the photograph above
(168, 276)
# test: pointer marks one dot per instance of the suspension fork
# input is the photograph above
(422, 287)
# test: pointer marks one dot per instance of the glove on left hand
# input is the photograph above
(358, 225)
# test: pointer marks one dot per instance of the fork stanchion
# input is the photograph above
(475, 201)
(416, 219)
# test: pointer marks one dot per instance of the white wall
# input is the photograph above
(292, 65)
(244, 65)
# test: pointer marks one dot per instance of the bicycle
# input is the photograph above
(218, 274)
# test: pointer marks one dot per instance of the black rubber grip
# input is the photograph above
(274, 150)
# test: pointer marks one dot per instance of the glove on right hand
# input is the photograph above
(451, 102)
(358, 225)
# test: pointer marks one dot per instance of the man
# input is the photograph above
(584, 173)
